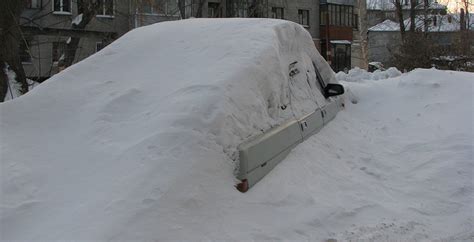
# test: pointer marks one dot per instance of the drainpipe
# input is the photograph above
(328, 45)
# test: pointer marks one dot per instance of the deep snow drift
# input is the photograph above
(123, 154)
(162, 109)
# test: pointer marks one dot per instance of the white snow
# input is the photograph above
(137, 141)
(14, 88)
(343, 42)
(386, 25)
(360, 75)
(77, 20)
(389, 5)
(443, 24)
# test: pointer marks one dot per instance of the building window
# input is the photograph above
(213, 10)
(106, 8)
(344, 15)
(355, 24)
(303, 17)
(278, 13)
(350, 13)
(33, 4)
(25, 55)
(341, 57)
(62, 6)
(322, 16)
(146, 7)
(237, 8)
(99, 46)
(159, 7)
(58, 51)
(332, 15)
(339, 15)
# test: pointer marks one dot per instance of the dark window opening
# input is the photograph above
(33, 4)
(342, 57)
(62, 6)
(278, 13)
(213, 10)
(303, 17)
(339, 15)
(106, 8)
(163, 7)
(99, 46)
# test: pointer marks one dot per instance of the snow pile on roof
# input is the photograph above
(443, 23)
(360, 75)
(342, 42)
(387, 25)
(77, 20)
(390, 6)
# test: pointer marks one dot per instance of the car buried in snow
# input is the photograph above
(259, 154)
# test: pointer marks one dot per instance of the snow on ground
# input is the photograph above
(360, 75)
(14, 88)
(126, 155)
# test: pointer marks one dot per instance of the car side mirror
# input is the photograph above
(332, 89)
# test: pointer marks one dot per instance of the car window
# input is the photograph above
(319, 78)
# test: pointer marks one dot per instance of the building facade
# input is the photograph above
(304, 12)
(343, 34)
(445, 32)
(47, 28)
(47, 25)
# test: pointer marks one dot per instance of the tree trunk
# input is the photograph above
(88, 9)
(182, 8)
(10, 37)
(398, 9)
(468, 16)
(412, 15)
(3, 81)
(199, 9)
(426, 3)
(363, 30)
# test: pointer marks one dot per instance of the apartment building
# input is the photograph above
(47, 25)
(47, 28)
(343, 34)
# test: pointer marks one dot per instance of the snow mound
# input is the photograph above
(359, 75)
(158, 113)
(134, 143)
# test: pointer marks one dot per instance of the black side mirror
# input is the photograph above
(332, 89)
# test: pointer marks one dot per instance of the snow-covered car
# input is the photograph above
(174, 106)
